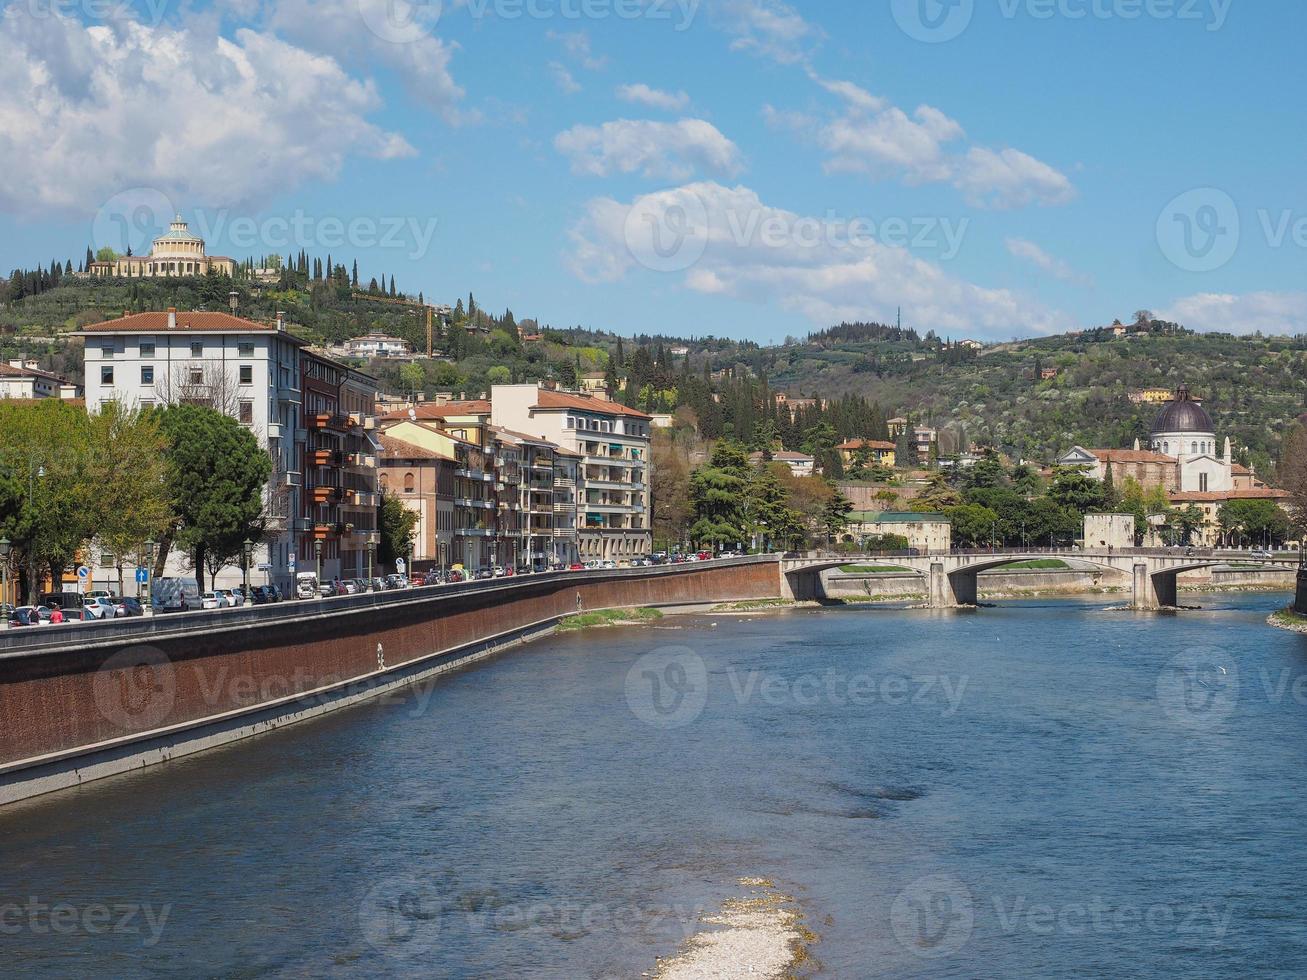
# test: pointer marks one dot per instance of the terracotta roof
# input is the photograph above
(157, 322)
(1130, 456)
(430, 413)
(392, 448)
(550, 400)
(1241, 470)
(853, 445)
(9, 371)
(1216, 496)
(522, 436)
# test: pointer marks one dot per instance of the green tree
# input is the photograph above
(1074, 489)
(129, 470)
(835, 515)
(498, 375)
(218, 474)
(770, 517)
(397, 524)
(1253, 522)
(413, 378)
(974, 526)
(717, 497)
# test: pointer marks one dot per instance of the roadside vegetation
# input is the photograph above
(609, 617)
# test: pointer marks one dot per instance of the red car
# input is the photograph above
(576, 566)
(704, 556)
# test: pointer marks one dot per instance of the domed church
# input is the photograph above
(177, 252)
(1182, 458)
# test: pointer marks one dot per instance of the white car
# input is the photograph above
(226, 599)
(211, 600)
(98, 607)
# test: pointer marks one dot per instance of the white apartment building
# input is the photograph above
(249, 370)
(24, 379)
(614, 510)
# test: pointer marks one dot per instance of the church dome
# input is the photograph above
(1183, 415)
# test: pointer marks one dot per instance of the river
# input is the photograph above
(1043, 788)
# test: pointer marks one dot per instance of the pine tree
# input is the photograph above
(354, 281)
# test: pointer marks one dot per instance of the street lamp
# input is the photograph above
(372, 557)
(150, 545)
(5, 548)
(247, 552)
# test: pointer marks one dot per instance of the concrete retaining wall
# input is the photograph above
(86, 701)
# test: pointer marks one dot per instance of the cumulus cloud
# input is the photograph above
(396, 34)
(726, 241)
(1269, 313)
(1010, 179)
(871, 136)
(659, 150)
(86, 111)
(577, 46)
(1036, 256)
(767, 27)
(642, 94)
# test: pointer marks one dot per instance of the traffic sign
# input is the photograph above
(142, 576)
(83, 572)
(290, 564)
(399, 565)
(264, 566)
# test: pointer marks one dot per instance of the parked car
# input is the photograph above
(66, 600)
(128, 605)
(1262, 553)
(274, 592)
(211, 600)
(576, 566)
(306, 585)
(27, 616)
(168, 594)
(99, 607)
(260, 595)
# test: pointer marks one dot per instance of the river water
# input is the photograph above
(1038, 789)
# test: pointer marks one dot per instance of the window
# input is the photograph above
(106, 375)
(247, 374)
(147, 348)
(197, 349)
(106, 350)
(384, 480)
(247, 413)
(196, 376)
(408, 482)
(147, 374)
(1202, 482)
(246, 348)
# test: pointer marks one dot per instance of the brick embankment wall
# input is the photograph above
(69, 693)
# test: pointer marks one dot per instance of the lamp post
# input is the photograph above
(148, 605)
(317, 555)
(247, 551)
(5, 549)
(372, 557)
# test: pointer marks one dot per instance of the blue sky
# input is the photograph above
(747, 168)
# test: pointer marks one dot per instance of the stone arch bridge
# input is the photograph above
(951, 576)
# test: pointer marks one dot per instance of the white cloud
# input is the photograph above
(86, 112)
(889, 141)
(396, 34)
(1010, 179)
(564, 79)
(642, 94)
(577, 46)
(767, 27)
(873, 137)
(1036, 256)
(1266, 312)
(659, 150)
(733, 244)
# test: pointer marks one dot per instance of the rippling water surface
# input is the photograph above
(1038, 789)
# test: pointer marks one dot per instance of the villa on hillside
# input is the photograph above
(176, 253)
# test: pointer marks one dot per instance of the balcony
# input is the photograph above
(470, 502)
(326, 495)
(290, 478)
(274, 430)
(562, 483)
(329, 423)
(474, 532)
(564, 532)
(287, 393)
(362, 498)
(361, 461)
(301, 435)
(325, 457)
